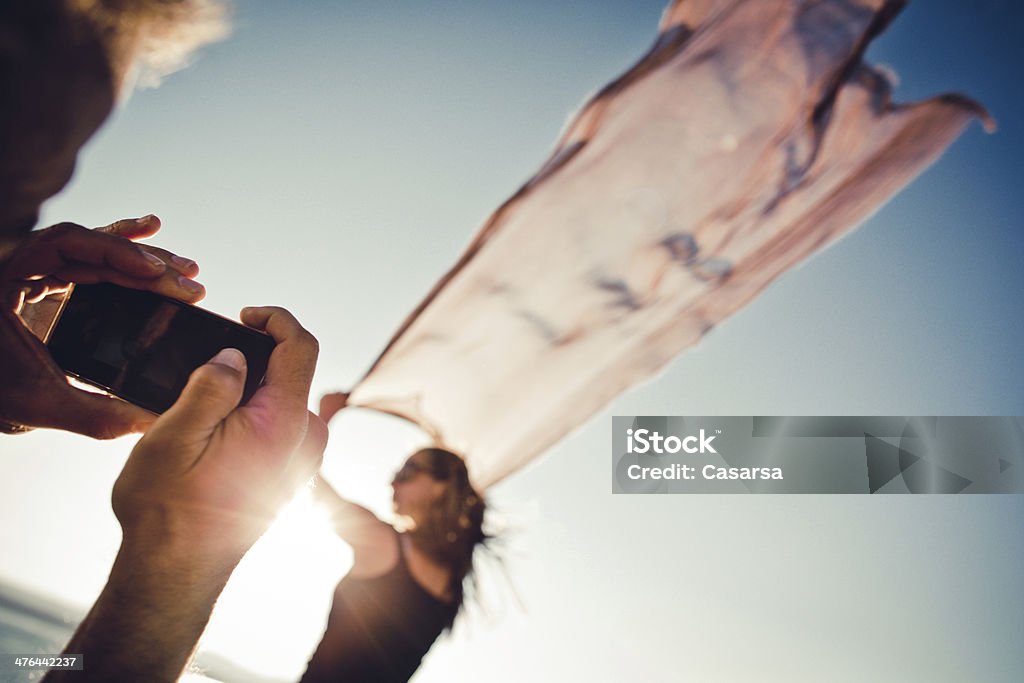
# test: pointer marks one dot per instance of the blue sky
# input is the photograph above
(336, 157)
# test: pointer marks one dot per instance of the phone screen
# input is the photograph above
(142, 347)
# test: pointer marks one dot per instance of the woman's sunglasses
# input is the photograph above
(410, 469)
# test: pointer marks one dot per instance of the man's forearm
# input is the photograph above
(148, 619)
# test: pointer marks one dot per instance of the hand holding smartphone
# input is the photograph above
(142, 347)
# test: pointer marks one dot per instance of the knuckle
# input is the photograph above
(272, 312)
(112, 229)
(309, 340)
(283, 315)
(65, 229)
(121, 224)
(215, 380)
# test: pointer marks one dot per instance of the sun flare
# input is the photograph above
(276, 603)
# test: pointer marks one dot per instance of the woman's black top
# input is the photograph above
(379, 629)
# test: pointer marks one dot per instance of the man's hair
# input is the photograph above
(162, 35)
(63, 64)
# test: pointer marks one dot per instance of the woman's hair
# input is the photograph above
(454, 525)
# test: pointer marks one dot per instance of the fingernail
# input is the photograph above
(183, 262)
(189, 284)
(154, 260)
(232, 358)
(145, 219)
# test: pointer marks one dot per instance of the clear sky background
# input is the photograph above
(335, 158)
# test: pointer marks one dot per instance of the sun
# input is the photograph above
(273, 611)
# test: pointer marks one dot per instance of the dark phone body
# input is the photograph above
(142, 347)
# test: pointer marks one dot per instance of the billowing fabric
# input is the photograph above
(749, 137)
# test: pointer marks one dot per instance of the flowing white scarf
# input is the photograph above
(750, 136)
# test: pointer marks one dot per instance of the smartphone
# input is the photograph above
(142, 347)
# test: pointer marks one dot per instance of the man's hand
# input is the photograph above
(211, 475)
(197, 491)
(36, 392)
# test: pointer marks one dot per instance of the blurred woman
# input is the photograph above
(406, 583)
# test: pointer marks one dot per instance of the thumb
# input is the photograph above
(212, 392)
(133, 228)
